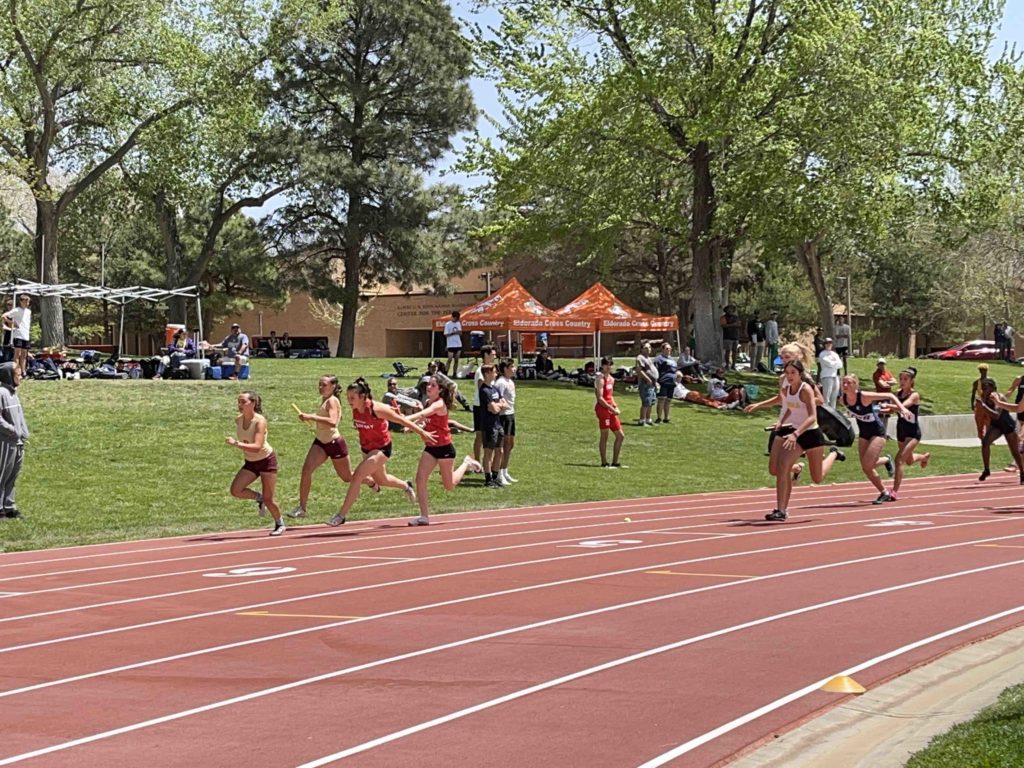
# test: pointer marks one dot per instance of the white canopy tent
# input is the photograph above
(119, 296)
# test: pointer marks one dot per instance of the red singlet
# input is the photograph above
(607, 388)
(438, 424)
(372, 429)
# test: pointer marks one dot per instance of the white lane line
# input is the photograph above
(493, 702)
(732, 725)
(520, 590)
(9, 594)
(594, 553)
(264, 580)
(549, 684)
(254, 544)
(371, 557)
(725, 503)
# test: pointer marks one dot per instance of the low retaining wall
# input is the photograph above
(946, 427)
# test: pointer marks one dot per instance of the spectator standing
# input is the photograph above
(647, 384)
(771, 337)
(667, 367)
(842, 338)
(829, 364)
(19, 320)
(237, 345)
(1008, 354)
(999, 337)
(453, 342)
(755, 333)
(486, 358)
(730, 324)
(13, 434)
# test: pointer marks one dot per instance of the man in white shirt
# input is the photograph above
(19, 320)
(771, 337)
(829, 363)
(453, 343)
(237, 344)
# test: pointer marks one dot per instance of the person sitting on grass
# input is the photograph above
(681, 392)
(402, 400)
(544, 365)
(719, 389)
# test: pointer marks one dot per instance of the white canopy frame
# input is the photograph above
(119, 296)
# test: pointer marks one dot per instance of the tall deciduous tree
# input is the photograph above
(374, 99)
(82, 82)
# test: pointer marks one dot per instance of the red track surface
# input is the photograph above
(551, 636)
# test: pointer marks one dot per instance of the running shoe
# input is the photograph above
(474, 465)
(1021, 482)
(297, 512)
(890, 468)
(924, 460)
(605, 465)
(261, 506)
(984, 475)
(797, 471)
(374, 486)
(279, 527)
(336, 520)
(883, 497)
(840, 456)
(12, 513)
(419, 521)
(500, 480)
(510, 478)
(617, 465)
(410, 492)
(776, 514)
(492, 484)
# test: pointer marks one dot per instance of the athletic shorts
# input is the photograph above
(477, 419)
(21, 343)
(666, 390)
(868, 430)
(812, 438)
(648, 393)
(906, 431)
(493, 436)
(508, 425)
(1003, 424)
(608, 420)
(440, 451)
(336, 449)
(268, 464)
(386, 450)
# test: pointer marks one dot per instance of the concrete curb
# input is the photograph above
(885, 726)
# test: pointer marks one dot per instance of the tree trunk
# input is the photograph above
(810, 258)
(167, 219)
(349, 306)
(706, 276)
(665, 299)
(51, 308)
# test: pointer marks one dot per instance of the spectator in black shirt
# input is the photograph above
(491, 406)
(730, 323)
(755, 333)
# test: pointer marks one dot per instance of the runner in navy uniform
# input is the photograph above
(1002, 424)
(863, 406)
(908, 431)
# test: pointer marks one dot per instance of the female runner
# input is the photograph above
(327, 444)
(607, 413)
(871, 431)
(797, 433)
(908, 431)
(371, 421)
(440, 453)
(1000, 423)
(260, 459)
(981, 414)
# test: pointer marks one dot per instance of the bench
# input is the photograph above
(302, 346)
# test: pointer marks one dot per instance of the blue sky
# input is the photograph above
(1012, 32)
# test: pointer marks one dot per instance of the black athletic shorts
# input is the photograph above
(440, 451)
(386, 450)
(907, 431)
(812, 438)
(477, 418)
(493, 436)
(508, 425)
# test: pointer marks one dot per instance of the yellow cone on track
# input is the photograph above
(843, 684)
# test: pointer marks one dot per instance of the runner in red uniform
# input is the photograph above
(440, 453)
(607, 413)
(371, 422)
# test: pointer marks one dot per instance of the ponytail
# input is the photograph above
(360, 385)
(255, 399)
(446, 387)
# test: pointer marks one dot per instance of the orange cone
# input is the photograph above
(843, 684)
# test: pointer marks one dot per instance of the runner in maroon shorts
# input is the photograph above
(327, 444)
(607, 413)
(371, 421)
(260, 459)
(440, 453)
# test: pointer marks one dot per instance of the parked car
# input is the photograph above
(979, 349)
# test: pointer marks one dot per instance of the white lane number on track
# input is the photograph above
(897, 523)
(601, 543)
(240, 573)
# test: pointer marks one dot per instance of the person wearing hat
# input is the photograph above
(829, 363)
(237, 345)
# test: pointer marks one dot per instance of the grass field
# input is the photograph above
(113, 460)
(993, 739)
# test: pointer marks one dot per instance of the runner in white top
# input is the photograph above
(19, 321)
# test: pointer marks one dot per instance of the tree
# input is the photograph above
(373, 99)
(83, 82)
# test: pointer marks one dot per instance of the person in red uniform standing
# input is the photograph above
(440, 453)
(371, 422)
(607, 413)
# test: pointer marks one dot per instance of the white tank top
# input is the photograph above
(798, 411)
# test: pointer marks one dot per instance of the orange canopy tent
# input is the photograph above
(513, 308)
(602, 307)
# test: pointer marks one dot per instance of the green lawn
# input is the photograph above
(114, 460)
(993, 739)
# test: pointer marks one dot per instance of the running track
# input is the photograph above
(551, 636)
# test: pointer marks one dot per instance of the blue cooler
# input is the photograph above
(215, 372)
(227, 370)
